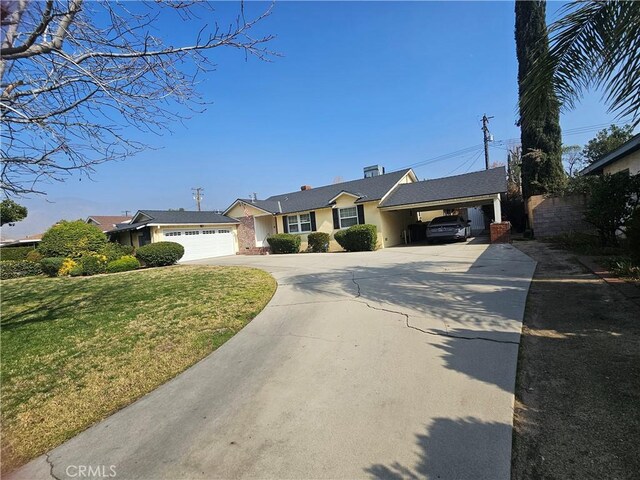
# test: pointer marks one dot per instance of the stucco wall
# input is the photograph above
(631, 162)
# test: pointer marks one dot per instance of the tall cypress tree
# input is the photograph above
(540, 133)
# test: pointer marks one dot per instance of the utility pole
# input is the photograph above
(487, 139)
(197, 195)
(126, 212)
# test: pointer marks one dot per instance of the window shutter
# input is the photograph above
(285, 224)
(360, 214)
(336, 219)
(313, 221)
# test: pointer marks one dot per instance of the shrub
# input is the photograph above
(633, 235)
(51, 265)
(18, 268)
(160, 254)
(319, 241)
(114, 251)
(15, 253)
(123, 264)
(68, 264)
(359, 238)
(72, 239)
(284, 243)
(76, 271)
(92, 264)
(34, 256)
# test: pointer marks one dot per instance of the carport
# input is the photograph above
(474, 189)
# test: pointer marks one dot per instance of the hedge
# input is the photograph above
(359, 238)
(123, 264)
(319, 241)
(91, 265)
(284, 243)
(633, 236)
(72, 239)
(160, 254)
(114, 251)
(34, 256)
(18, 268)
(14, 253)
(51, 265)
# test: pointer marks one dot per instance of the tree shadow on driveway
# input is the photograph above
(465, 448)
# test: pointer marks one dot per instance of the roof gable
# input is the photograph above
(180, 217)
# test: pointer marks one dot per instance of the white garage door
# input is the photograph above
(202, 242)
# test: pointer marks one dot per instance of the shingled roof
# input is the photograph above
(173, 217)
(472, 184)
(365, 189)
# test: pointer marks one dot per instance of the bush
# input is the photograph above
(359, 238)
(76, 271)
(51, 265)
(18, 268)
(123, 264)
(72, 239)
(68, 264)
(34, 256)
(633, 236)
(284, 243)
(319, 241)
(14, 253)
(160, 254)
(114, 251)
(92, 264)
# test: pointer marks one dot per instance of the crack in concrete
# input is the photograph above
(435, 334)
(48, 460)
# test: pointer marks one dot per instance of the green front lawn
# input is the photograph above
(75, 350)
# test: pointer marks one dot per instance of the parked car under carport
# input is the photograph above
(448, 228)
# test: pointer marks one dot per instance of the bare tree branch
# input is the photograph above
(76, 77)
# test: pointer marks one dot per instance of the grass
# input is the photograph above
(624, 267)
(75, 350)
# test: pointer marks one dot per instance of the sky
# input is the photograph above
(356, 84)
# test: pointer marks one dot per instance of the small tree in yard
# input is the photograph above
(71, 239)
(612, 201)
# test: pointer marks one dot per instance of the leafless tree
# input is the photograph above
(77, 76)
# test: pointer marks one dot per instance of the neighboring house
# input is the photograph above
(203, 234)
(28, 241)
(107, 222)
(390, 201)
(624, 158)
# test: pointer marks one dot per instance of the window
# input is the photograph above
(172, 234)
(348, 217)
(192, 232)
(208, 232)
(224, 231)
(299, 223)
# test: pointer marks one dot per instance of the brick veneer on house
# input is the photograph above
(247, 238)
(501, 232)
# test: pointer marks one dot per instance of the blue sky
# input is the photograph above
(358, 84)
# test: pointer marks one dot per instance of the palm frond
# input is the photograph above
(595, 45)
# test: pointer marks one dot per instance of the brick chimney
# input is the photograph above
(304, 188)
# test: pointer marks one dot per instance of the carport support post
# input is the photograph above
(497, 210)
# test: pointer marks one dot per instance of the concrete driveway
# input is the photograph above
(394, 364)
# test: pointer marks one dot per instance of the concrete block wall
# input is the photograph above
(551, 216)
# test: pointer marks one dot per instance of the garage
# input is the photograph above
(202, 243)
(202, 234)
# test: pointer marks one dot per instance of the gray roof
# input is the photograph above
(366, 189)
(179, 217)
(472, 184)
(620, 152)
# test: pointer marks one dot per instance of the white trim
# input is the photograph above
(413, 177)
(299, 224)
(344, 192)
(436, 203)
(242, 202)
(188, 224)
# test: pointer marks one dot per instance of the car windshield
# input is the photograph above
(444, 220)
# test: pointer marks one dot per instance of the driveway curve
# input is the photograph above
(386, 365)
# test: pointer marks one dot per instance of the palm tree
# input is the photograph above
(594, 45)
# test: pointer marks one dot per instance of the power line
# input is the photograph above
(197, 195)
